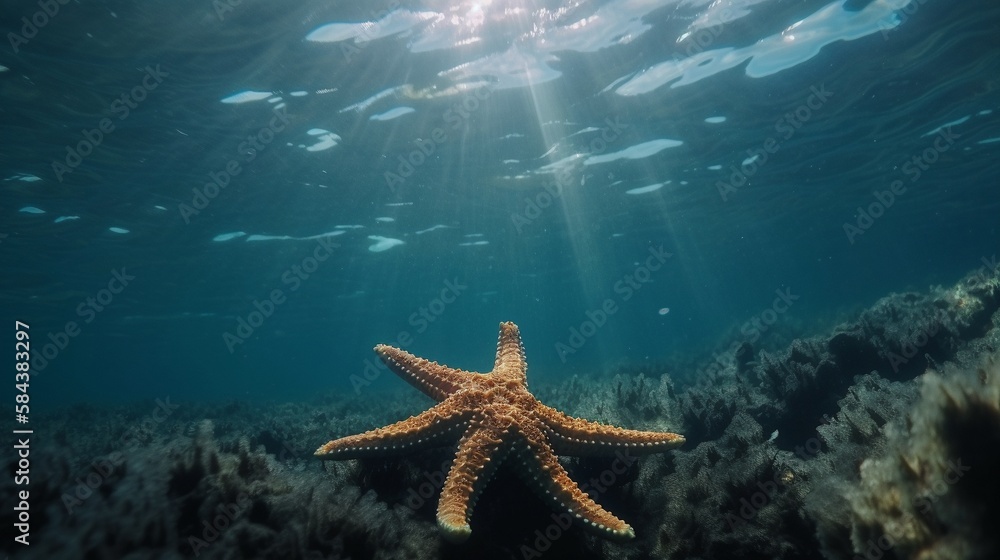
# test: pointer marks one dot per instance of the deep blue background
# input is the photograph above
(163, 334)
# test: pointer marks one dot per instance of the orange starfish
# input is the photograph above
(497, 418)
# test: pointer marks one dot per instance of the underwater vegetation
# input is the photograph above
(875, 440)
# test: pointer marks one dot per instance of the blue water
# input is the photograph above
(557, 154)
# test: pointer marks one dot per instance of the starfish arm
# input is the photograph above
(510, 362)
(426, 429)
(542, 469)
(433, 379)
(475, 462)
(579, 437)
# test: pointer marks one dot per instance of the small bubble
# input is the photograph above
(664, 310)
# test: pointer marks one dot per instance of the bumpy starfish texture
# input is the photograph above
(497, 418)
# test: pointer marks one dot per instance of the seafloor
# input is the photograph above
(879, 439)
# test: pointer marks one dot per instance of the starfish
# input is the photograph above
(495, 418)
